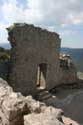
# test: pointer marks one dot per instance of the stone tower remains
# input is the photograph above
(34, 57)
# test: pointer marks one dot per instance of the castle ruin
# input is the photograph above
(35, 60)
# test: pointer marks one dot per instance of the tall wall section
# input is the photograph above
(32, 46)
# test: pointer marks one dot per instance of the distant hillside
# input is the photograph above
(5, 45)
(4, 55)
(77, 56)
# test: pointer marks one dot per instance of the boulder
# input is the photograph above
(12, 105)
(49, 116)
(33, 105)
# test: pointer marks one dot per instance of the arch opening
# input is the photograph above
(41, 75)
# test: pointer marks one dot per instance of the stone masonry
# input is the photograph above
(68, 73)
(34, 58)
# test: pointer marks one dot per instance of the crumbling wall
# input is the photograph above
(68, 70)
(32, 46)
(69, 76)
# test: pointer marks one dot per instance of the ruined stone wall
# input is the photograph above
(32, 46)
(68, 74)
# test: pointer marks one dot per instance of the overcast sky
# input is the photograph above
(62, 16)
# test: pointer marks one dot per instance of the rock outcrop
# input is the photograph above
(48, 116)
(16, 109)
(70, 100)
(73, 106)
(12, 105)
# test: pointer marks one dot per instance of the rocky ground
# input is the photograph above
(70, 100)
(64, 109)
(16, 109)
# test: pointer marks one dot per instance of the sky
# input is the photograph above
(62, 16)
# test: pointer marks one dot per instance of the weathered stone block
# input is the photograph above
(50, 116)
(13, 108)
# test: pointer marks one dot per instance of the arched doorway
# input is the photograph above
(41, 75)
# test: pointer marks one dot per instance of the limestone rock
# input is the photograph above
(33, 105)
(41, 119)
(5, 90)
(13, 107)
(50, 116)
(69, 121)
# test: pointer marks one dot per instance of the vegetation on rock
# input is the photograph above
(4, 54)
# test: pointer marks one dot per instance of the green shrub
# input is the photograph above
(4, 56)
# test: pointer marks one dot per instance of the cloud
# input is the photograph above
(3, 34)
(44, 12)
(68, 32)
(51, 14)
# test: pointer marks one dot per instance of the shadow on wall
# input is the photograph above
(4, 63)
(4, 69)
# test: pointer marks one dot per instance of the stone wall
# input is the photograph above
(32, 46)
(68, 74)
